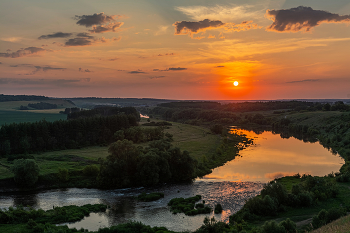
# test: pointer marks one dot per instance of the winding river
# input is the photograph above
(230, 185)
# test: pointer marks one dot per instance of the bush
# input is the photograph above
(91, 170)
(150, 196)
(218, 208)
(26, 172)
(63, 174)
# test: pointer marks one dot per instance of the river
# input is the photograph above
(230, 185)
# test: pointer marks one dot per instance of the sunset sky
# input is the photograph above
(176, 49)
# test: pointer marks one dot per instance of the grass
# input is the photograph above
(197, 140)
(10, 113)
(341, 225)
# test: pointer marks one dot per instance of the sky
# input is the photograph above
(176, 49)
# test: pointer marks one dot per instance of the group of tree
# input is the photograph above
(5, 98)
(22, 138)
(70, 110)
(130, 165)
(104, 111)
(43, 105)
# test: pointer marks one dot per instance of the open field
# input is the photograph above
(195, 139)
(10, 113)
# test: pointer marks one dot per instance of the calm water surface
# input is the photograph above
(230, 185)
(272, 157)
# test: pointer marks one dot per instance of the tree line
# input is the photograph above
(4, 98)
(22, 138)
(130, 165)
(104, 111)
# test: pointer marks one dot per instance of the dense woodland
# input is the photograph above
(42, 136)
(4, 98)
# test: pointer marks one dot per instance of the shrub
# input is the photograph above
(91, 170)
(272, 227)
(150, 196)
(218, 208)
(63, 174)
(26, 172)
(275, 190)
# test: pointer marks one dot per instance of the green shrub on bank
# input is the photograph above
(188, 206)
(91, 170)
(324, 217)
(26, 172)
(63, 174)
(150, 196)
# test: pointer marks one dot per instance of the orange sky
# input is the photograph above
(176, 49)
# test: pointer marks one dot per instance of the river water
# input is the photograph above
(230, 185)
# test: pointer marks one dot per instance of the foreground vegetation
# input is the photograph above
(285, 205)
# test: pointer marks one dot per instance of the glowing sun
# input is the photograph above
(235, 83)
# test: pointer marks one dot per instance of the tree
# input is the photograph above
(26, 172)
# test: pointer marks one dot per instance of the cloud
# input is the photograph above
(171, 69)
(42, 82)
(137, 72)
(220, 66)
(166, 54)
(11, 39)
(78, 42)
(178, 68)
(301, 19)
(55, 35)
(85, 35)
(220, 12)
(85, 71)
(95, 19)
(23, 52)
(111, 27)
(185, 27)
(0, 62)
(90, 40)
(190, 28)
(156, 77)
(305, 80)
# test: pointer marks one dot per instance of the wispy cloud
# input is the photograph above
(137, 72)
(84, 70)
(220, 12)
(171, 69)
(42, 82)
(23, 52)
(301, 19)
(111, 27)
(156, 77)
(305, 80)
(55, 35)
(190, 28)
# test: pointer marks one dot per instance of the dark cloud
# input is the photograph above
(220, 66)
(178, 68)
(305, 80)
(8, 50)
(301, 18)
(95, 19)
(42, 82)
(55, 35)
(186, 27)
(85, 39)
(171, 69)
(85, 35)
(78, 42)
(23, 52)
(20, 65)
(167, 54)
(156, 77)
(137, 72)
(111, 27)
(85, 71)
(42, 68)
